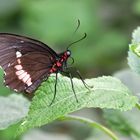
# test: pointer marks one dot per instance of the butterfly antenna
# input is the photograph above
(78, 25)
(85, 35)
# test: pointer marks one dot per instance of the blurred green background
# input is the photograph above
(108, 24)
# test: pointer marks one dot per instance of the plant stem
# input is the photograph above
(91, 123)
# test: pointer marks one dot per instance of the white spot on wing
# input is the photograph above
(18, 54)
(9, 65)
(22, 41)
(16, 90)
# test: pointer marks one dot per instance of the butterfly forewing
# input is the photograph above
(26, 62)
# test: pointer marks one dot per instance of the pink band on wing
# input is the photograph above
(18, 67)
(19, 61)
(22, 75)
(26, 78)
(29, 82)
(19, 72)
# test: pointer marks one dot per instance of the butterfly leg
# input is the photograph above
(85, 84)
(70, 75)
(55, 89)
(73, 87)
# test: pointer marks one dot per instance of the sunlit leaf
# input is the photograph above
(107, 92)
(134, 51)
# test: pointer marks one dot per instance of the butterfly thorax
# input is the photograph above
(60, 63)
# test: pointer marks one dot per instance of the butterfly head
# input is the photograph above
(67, 53)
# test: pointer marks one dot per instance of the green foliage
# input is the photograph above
(108, 31)
(133, 59)
(7, 134)
(54, 22)
(136, 7)
(134, 51)
(13, 109)
(107, 92)
(3, 90)
(124, 122)
(53, 26)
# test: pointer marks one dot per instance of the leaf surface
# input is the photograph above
(12, 109)
(107, 92)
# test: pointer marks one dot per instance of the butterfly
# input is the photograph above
(27, 62)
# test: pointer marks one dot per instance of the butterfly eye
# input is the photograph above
(68, 52)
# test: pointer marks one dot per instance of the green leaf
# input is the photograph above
(134, 51)
(107, 92)
(12, 109)
(124, 122)
(134, 60)
(136, 36)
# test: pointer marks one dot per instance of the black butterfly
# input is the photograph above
(26, 62)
